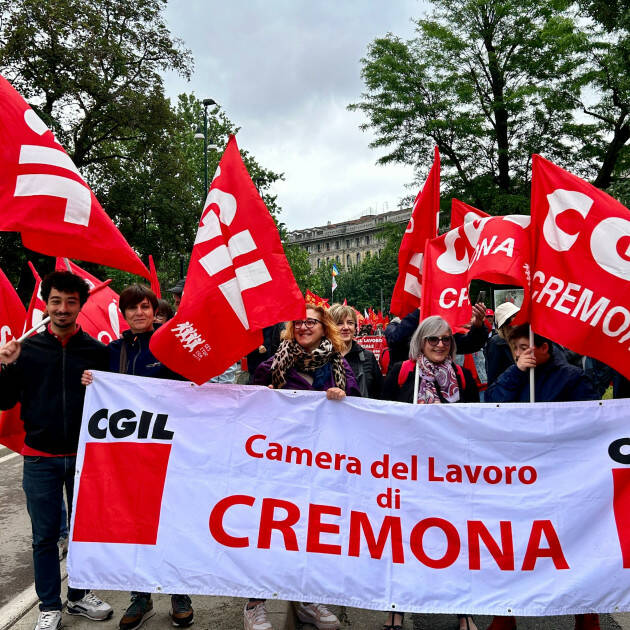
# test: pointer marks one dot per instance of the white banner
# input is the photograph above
(245, 491)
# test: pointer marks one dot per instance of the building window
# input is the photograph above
(319, 263)
(348, 261)
(367, 240)
(356, 242)
(347, 244)
(327, 247)
(358, 257)
(336, 244)
(337, 257)
(319, 247)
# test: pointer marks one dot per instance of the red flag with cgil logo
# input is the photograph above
(12, 318)
(463, 213)
(422, 227)
(44, 197)
(580, 266)
(238, 280)
(100, 315)
(494, 249)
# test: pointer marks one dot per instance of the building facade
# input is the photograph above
(346, 243)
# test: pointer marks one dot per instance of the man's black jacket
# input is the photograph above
(46, 380)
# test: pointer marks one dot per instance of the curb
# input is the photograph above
(21, 605)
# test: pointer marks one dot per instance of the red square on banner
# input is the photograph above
(120, 495)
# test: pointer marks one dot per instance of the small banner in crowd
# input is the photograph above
(245, 491)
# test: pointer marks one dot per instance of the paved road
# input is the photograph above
(16, 571)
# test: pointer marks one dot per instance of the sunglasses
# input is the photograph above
(308, 323)
(434, 341)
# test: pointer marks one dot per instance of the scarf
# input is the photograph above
(290, 354)
(436, 379)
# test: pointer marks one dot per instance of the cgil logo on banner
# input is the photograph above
(120, 496)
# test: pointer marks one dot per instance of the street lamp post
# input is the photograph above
(206, 103)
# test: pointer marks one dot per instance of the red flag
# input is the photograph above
(43, 196)
(12, 311)
(494, 249)
(445, 278)
(580, 266)
(315, 300)
(463, 213)
(100, 315)
(423, 226)
(345, 302)
(12, 317)
(238, 280)
(155, 283)
(37, 306)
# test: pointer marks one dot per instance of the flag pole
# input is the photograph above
(416, 384)
(28, 333)
(532, 392)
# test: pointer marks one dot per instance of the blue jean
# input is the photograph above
(43, 482)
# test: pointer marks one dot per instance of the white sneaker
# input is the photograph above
(256, 618)
(317, 615)
(48, 620)
(90, 606)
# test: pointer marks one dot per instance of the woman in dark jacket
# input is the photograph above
(362, 361)
(432, 374)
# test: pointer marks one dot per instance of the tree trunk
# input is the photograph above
(619, 139)
(497, 84)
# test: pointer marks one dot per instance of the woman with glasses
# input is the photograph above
(362, 361)
(309, 358)
(430, 376)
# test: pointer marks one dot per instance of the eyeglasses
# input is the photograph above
(309, 323)
(434, 341)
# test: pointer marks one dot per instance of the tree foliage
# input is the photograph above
(92, 69)
(493, 81)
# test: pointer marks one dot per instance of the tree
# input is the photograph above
(491, 82)
(92, 70)
(606, 72)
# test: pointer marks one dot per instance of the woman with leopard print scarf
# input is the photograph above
(309, 358)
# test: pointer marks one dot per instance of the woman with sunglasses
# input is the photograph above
(309, 358)
(430, 372)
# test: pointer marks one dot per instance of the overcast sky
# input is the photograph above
(285, 71)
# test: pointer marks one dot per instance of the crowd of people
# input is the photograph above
(427, 363)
